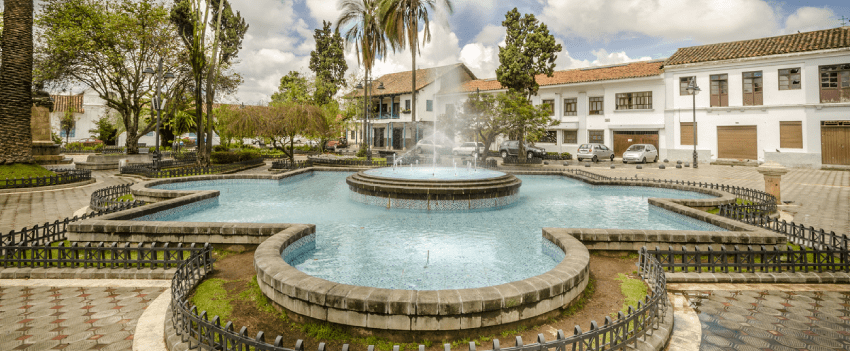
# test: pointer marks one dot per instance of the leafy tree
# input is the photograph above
(328, 63)
(400, 19)
(106, 48)
(482, 117)
(104, 130)
(529, 51)
(67, 122)
(294, 88)
(16, 62)
(279, 122)
(523, 119)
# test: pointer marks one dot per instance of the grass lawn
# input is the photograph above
(23, 170)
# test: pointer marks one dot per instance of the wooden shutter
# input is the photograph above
(737, 142)
(791, 135)
(687, 134)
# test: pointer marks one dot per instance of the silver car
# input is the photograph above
(640, 153)
(594, 152)
(467, 148)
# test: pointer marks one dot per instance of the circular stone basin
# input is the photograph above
(441, 188)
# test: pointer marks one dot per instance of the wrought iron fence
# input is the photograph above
(101, 255)
(516, 160)
(104, 198)
(760, 201)
(150, 171)
(289, 165)
(199, 331)
(589, 175)
(346, 162)
(796, 233)
(49, 233)
(763, 260)
(65, 176)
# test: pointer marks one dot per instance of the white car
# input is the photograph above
(640, 153)
(467, 149)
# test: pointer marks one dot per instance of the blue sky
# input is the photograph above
(592, 32)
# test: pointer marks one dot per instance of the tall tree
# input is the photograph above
(401, 19)
(229, 29)
(328, 63)
(365, 33)
(529, 51)
(106, 48)
(294, 88)
(522, 118)
(16, 82)
(482, 120)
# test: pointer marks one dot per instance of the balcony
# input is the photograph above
(388, 116)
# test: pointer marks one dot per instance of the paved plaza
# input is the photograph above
(84, 315)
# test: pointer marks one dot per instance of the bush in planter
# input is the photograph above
(248, 154)
(222, 157)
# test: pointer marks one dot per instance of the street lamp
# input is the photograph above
(693, 89)
(367, 81)
(157, 101)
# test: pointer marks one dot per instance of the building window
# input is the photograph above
(406, 104)
(73, 132)
(835, 83)
(596, 136)
(634, 101)
(570, 137)
(570, 106)
(791, 135)
(683, 85)
(752, 88)
(150, 134)
(596, 107)
(789, 78)
(687, 133)
(550, 137)
(429, 105)
(551, 104)
(719, 90)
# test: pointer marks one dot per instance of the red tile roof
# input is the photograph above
(581, 75)
(799, 42)
(61, 103)
(399, 83)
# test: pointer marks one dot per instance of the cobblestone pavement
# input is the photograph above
(71, 318)
(29, 207)
(772, 320)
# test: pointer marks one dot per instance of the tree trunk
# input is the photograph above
(16, 83)
(413, 90)
(199, 120)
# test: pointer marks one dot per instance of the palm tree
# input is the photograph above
(365, 32)
(16, 83)
(400, 19)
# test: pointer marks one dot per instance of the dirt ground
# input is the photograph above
(604, 299)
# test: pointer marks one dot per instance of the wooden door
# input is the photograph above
(737, 142)
(624, 139)
(835, 142)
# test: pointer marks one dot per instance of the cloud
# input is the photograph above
(808, 19)
(324, 10)
(604, 58)
(705, 21)
(491, 35)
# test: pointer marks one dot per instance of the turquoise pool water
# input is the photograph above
(367, 245)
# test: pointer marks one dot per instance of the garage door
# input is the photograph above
(624, 139)
(835, 142)
(737, 142)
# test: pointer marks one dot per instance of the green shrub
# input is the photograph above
(74, 146)
(220, 148)
(248, 154)
(567, 154)
(222, 157)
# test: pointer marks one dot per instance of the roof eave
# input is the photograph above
(755, 58)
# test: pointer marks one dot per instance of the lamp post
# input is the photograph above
(366, 101)
(157, 101)
(693, 89)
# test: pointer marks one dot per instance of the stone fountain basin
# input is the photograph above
(501, 185)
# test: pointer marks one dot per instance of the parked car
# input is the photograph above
(340, 143)
(511, 148)
(594, 152)
(427, 146)
(468, 148)
(640, 153)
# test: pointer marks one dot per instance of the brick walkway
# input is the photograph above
(65, 318)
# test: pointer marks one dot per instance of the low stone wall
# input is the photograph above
(411, 310)
(110, 161)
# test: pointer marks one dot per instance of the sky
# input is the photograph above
(592, 32)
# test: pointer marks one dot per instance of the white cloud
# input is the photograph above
(443, 49)
(706, 21)
(604, 58)
(491, 35)
(808, 19)
(324, 10)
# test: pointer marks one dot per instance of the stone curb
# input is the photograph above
(660, 337)
(776, 278)
(86, 273)
(49, 187)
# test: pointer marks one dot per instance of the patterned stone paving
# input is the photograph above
(773, 320)
(71, 318)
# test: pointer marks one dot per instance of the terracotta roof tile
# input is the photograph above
(399, 83)
(61, 103)
(581, 75)
(798, 42)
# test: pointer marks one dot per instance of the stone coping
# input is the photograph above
(423, 310)
(86, 273)
(766, 277)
